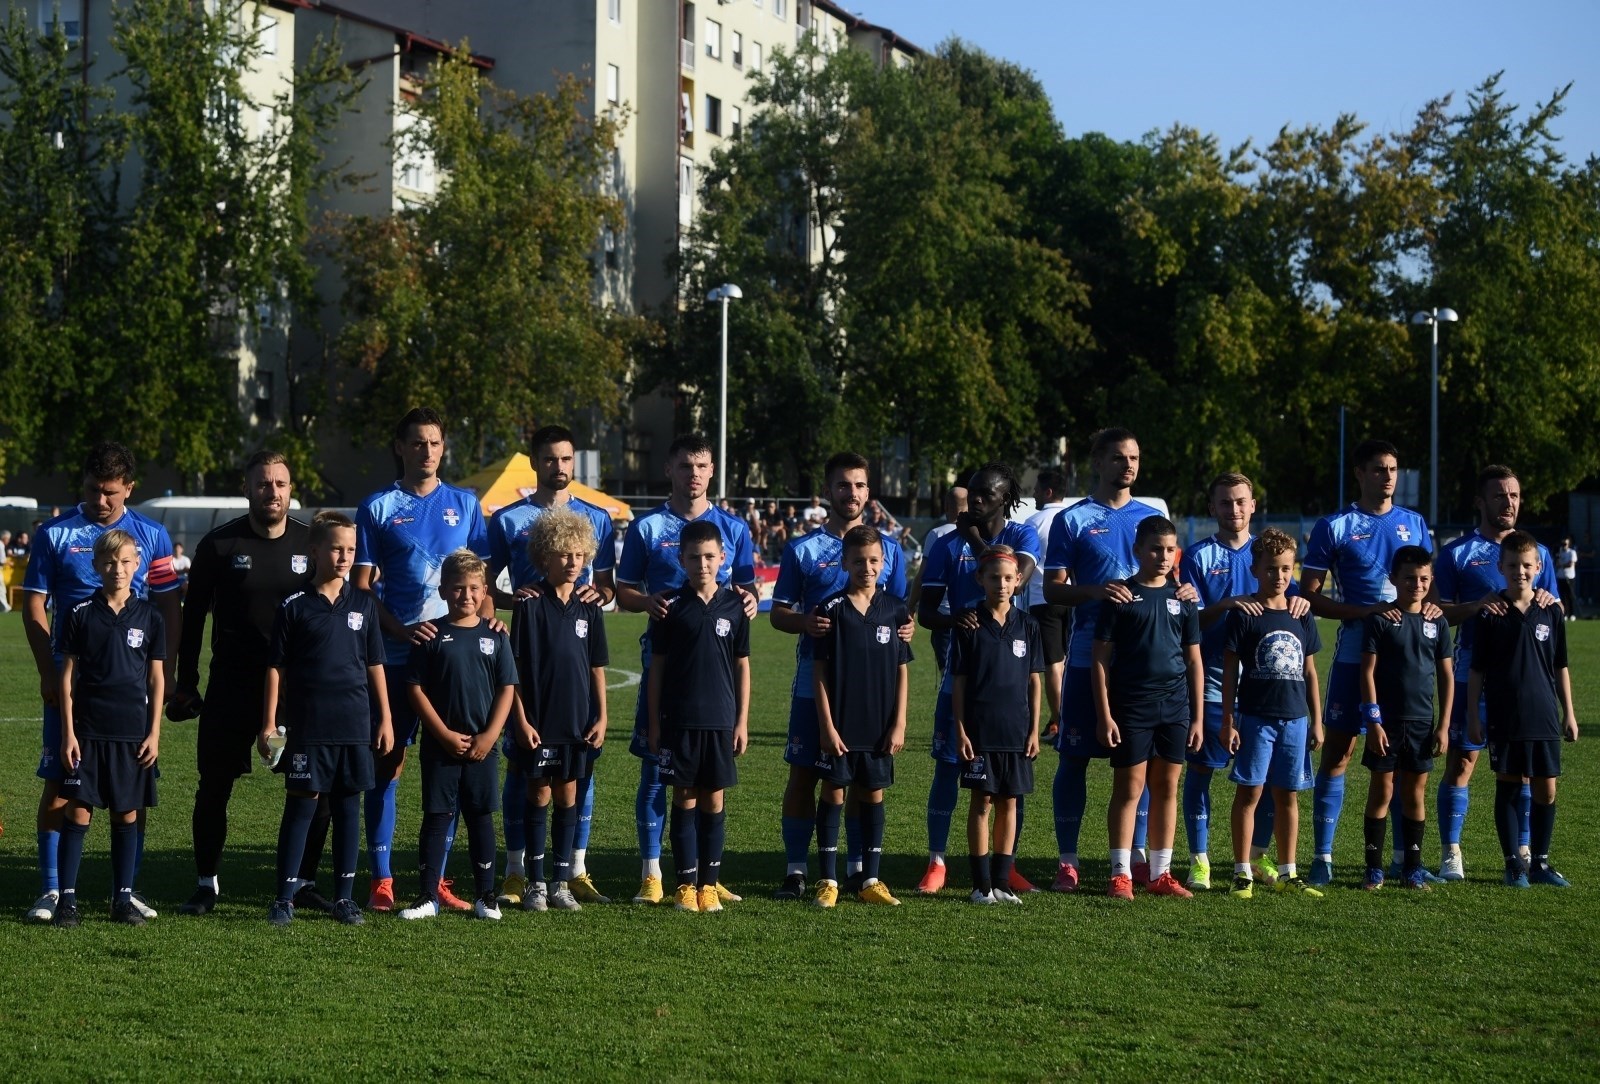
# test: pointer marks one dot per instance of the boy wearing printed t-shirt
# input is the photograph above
(326, 661)
(859, 673)
(996, 699)
(462, 684)
(112, 648)
(699, 704)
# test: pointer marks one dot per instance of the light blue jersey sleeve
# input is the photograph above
(633, 564)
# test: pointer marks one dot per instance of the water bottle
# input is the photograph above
(275, 743)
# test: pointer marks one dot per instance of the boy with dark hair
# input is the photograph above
(812, 569)
(699, 704)
(560, 644)
(462, 685)
(1400, 664)
(326, 662)
(996, 700)
(60, 574)
(860, 678)
(1269, 674)
(1149, 686)
(112, 647)
(1519, 667)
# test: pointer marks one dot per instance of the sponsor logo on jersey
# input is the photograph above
(1430, 630)
(1174, 607)
(1360, 537)
(299, 563)
(724, 626)
(581, 627)
(355, 620)
(452, 517)
(1541, 632)
(136, 637)
(242, 562)
(401, 521)
(1019, 648)
(883, 634)
(486, 644)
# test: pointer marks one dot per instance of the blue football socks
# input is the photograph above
(580, 837)
(1070, 793)
(1524, 805)
(797, 839)
(650, 809)
(942, 798)
(828, 840)
(1452, 813)
(378, 807)
(49, 850)
(1197, 808)
(1326, 804)
(686, 844)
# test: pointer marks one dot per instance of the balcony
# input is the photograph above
(688, 53)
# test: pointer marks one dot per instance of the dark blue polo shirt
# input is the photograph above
(863, 654)
(461, 671)
(324, 650)
(1408, 662)
(1150, 635)
(998, 662)
(1272, 650)
(111, 686)
(700, 639)
(1519, 655)
(557, 645)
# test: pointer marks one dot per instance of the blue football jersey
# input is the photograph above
(407, 538)
(508, 540)
(1217, 572)
(1357, 547)
(812, 570)
(649, 560)
(952, 565)
(61, 560)
(1469, 568)
(1093, 543)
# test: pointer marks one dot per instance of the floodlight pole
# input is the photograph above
(724, 293)
(1433, 317)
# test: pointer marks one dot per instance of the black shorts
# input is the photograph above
(570, 760)
(702, 759)
(1534, 759)
(225, 737)
(457, 785)
(1151, 729)
(866, 768)
(1004, 775)
(1053, 630)
(109, 777)
(1410, 747)
(327, 769)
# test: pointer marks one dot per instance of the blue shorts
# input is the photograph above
(944, 726)
(401, 717)
(1344, 699)
(50, 766)
(1272, 752)
(804, 748)
(1458, 721)
(1213, 754)
(1078, 735)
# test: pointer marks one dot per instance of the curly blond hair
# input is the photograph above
(560, 530)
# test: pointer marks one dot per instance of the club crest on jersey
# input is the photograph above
(581, 627)
(299, 563)
(1541, 633)
(1403, 532)
(486, 644)
(355, 620)
(1430, 630)
(724, 626)
(883, 634)
(241, 562)
(452, 517)
(136, 637)
(1019, 648)
(1174, 607)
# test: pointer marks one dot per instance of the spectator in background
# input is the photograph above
(791, 520)
(775, 536)
(5, 572)
(180, 565)
(19, 546)
(1567, 578)
(752, 517)
(815, 515)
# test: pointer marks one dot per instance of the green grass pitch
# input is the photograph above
(1471, 981)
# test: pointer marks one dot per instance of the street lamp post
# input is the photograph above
(725, 293)
(1433, 318)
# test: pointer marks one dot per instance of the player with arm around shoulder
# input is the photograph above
(1269, 677)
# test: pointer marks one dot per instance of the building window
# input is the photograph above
(755, 56)
(66, 15)
(685, 191)
(780, 8)
(609, 243)
(613, 84)
(738, 50)
(267, 34)
(686, 106)
(614, 10)
(736, 122)
(713, 115)
(713, 39)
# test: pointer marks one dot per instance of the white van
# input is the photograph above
(189, 519)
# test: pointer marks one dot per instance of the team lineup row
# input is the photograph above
(1142, 681)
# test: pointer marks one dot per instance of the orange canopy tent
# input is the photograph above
(509, 480)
